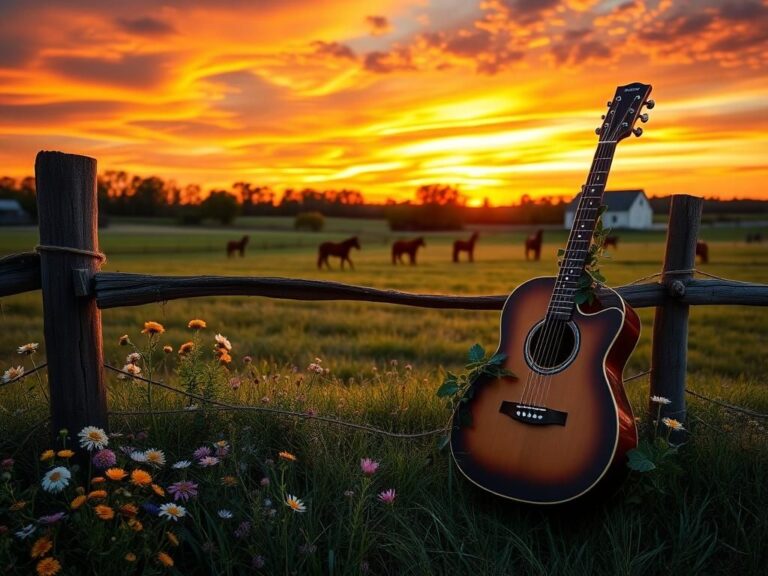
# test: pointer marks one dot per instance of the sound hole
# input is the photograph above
(551, 345)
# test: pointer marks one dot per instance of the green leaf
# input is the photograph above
(581, 297)
(449, 388)
(444, 441)
(638, 461)
(476, 353)
(560, 252)
(497, 359)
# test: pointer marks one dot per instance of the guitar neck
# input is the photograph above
(580, 238)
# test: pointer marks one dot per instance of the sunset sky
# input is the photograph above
(500, 97)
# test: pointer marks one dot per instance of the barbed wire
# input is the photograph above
(264, 409)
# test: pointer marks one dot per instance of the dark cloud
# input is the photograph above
(748, 10)
(135, 71)
(146, 26)
(59, 112)
(528, 10)
(386, 62)
(579, 46)
(378, 24)
(334, 50)
(470, 43)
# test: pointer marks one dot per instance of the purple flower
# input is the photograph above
(183, 490)
(7, 464)
(202, 452)
(104, 459)
(387, 496)
(258, 562)
(127, 450)
(51, 519)
(150, 509)
(243, 530)
(368, 466)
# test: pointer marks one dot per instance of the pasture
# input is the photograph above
(706, 514)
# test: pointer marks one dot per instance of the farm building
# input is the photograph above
(626, 209)
(11, 212)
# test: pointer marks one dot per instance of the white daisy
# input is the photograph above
(13, 373)
(225, 514)
(28, 349)
(172, 511)
(26, 532)
(181, 464)
(223, 342)
(295, 504)
(155, 457)
(138, 456)
(93, 438)
(132, 358)
(56, 480)
(132, 369)
(660, 400)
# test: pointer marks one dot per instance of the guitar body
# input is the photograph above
(563, 425)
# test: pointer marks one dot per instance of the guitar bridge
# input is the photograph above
(530, 414)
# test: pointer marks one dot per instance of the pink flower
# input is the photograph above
(183, 490)
(387, 496)
(368, 466)
(202, 452)
(208, 461)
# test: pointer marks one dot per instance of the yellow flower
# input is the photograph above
(77, 502)
(287, 456)
(672, 424)
(164, 559)
(129, 510)
(135, 525)
(116, 474)
(41, 547)
(153, 328)
(141, 478)
(172, 538)
(167, 349)
(104, 512)
(48, 567)
(18, 505)
(97, 494)
(228, 481)
(65, 453)
(158, 490)
(186, 348)
(197, 324)
(130, 557)
(47, 455)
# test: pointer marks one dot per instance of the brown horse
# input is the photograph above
(237, 246)
(338, 249)
(611, 241)
(702, 250)
(406, 247)
(533, 244)
(467, 246)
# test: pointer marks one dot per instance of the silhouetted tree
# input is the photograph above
(220, 205)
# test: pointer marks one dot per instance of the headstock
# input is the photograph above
(624, 111)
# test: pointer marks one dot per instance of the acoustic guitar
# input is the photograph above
(562, 425)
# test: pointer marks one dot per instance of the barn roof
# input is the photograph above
(616, 200)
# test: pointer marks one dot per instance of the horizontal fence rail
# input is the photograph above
(21, 273)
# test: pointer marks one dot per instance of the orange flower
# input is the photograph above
(41, 547)
(130, 557)
(158, 490)
(224, 357)
(48, 567)
(186, 348)
(172, 538)
(116, 474)
(97, 494)
(135, 525)
(104, 512)
(47, 455)
(97, 480)
(18, 505)
(153, 328)
(78, 501)
(129, 510)
(197, 324)
(164, 559)
(287, 456)
(141, 478)
(65, 453)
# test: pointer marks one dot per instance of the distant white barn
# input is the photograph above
(626, 209)
(11, 212)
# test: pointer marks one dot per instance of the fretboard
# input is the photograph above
(572, 264)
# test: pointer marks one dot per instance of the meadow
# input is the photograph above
(703, 512)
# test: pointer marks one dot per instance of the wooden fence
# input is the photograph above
(66, 266)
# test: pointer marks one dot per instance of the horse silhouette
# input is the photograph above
(237, 246)
(702, 250)
(465, 246)
(338, 249)
(533, 244)
(611, 241)
(756, 237)
(406, 247)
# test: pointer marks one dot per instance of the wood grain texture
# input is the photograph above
(19, 273)
(68, 214)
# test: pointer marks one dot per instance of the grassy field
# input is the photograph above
(704, 515)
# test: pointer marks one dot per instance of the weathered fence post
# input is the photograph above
(670, 325)
(69, 244)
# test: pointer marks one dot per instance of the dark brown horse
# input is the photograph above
(338, 249)
(237, 246)
(756, 237)
(467, 246)
(406, 247)
(533, 244)
(702, 250)
(611, 241)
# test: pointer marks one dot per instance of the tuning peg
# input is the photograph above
(650, 104)
(637, 131)
(602, 117)
(609, 103)
(597, 130)
(643, 118)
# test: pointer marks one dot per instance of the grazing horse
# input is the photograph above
(533, 243)
(756, 237)
(339, 249)
(467, 246)
(237, 246)
(406, 247)
(702, 250)
(611, 241)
